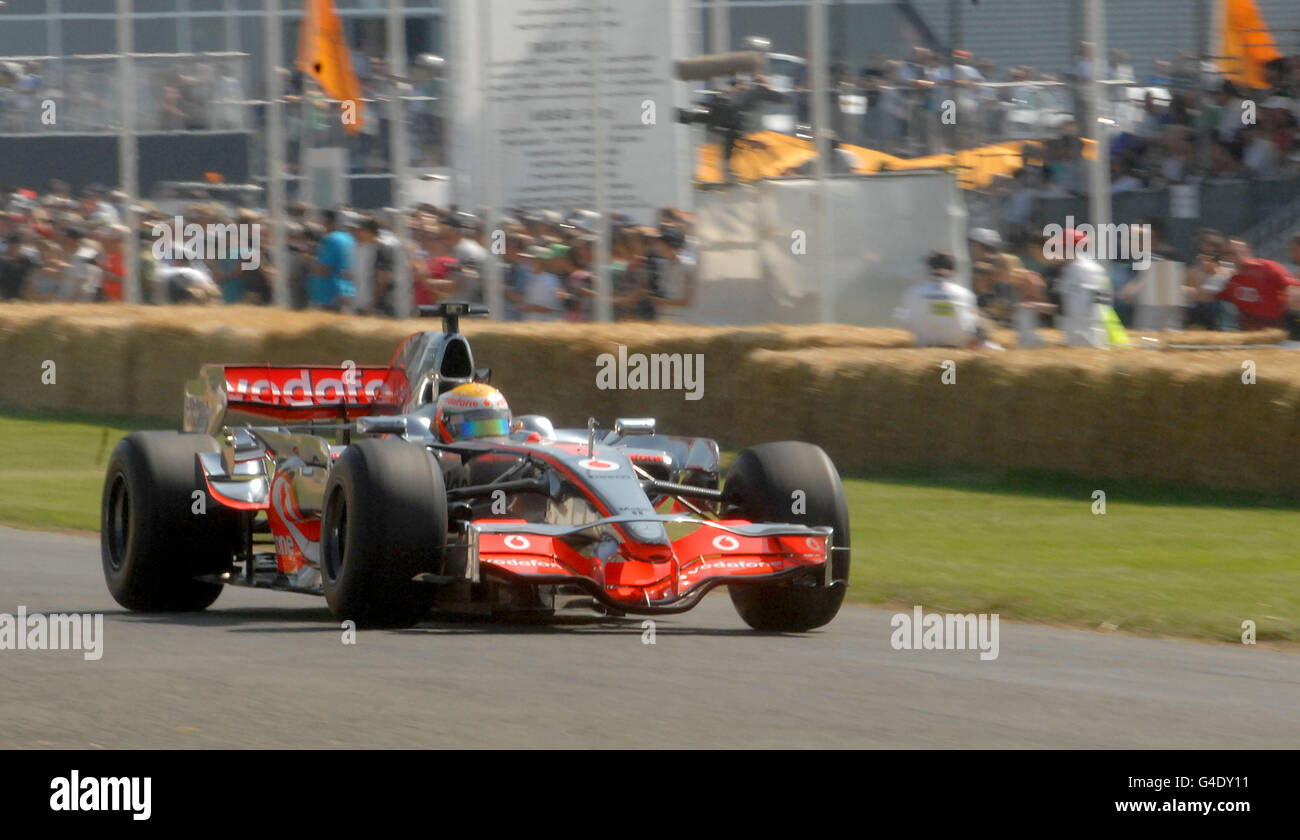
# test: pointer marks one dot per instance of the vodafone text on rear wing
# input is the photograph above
(286, 393)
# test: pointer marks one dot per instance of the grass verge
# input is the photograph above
(1162, 560)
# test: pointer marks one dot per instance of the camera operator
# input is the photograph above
(729, 112)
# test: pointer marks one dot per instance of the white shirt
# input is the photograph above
(79, 280)
(940, 314)
(1260, 156)
(1084, 287)
(165, 276)
(364, 259)
(542, 289)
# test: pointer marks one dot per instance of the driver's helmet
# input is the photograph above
(473, 410)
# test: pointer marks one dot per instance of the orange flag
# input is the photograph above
(323, 54)
(1247, 45)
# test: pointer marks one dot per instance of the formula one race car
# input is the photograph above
(362, 485)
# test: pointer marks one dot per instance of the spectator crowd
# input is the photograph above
(1183, 119)
(1026, 284)
(65, 247)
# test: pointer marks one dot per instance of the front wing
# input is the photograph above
(732, 552)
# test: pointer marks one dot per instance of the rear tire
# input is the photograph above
(385, 521)
(152, 543)
(761, 487)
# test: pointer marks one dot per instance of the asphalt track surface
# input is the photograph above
(265, 669)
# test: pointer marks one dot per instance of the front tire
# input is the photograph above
(385, 521)
(152, 542)
(761, 486)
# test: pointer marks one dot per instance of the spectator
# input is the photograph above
(465, 247)
(112, 241)
(516, 272)
(1085, 296)
(18, 263)
(375, 257)
(1259, 153)
(303, 239)
(258, 281)
(543, 294)
(79, 275)
(579, 285)
(939, 312)
(1209, 272)
(331, 284)
(184, 281)
(223, 264)
(985, 244)
(433, 280)
(673, 274)
(626, 276)
(1258, 288)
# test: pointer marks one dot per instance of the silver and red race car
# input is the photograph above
(331, 481)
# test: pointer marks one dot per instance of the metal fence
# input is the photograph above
(1233, 207)
(914, 120)
(79, 93)
(216, 91)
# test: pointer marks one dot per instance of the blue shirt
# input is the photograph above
(335, 253)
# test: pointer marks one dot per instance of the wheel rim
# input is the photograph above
(335, 537)
(119, 522)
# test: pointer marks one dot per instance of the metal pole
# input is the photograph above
(720, 27)
(821, 240)
(127, 154)
(1205, 46)
(1099, 175)
(184, 34)
(272, 46)
(232, 26)
(604, 310)
(494, 293)
(397, 154)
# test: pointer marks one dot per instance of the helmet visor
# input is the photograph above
(475, 424)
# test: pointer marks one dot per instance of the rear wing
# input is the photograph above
(288, 393)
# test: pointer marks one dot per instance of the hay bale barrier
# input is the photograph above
(864, 394)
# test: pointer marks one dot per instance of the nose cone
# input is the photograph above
(652, 533)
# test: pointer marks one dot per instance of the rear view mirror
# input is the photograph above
(383, 425)
(628, 426)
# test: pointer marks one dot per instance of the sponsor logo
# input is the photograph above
(525, 563)
(293, 547)
(726, 542)
(303, 391)
(516, 542)
(459, 401)
(725, 565)
(102, 793)
(598, 465)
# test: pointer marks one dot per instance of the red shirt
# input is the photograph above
(439, 268)
(114, 272)
(1258, 289)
